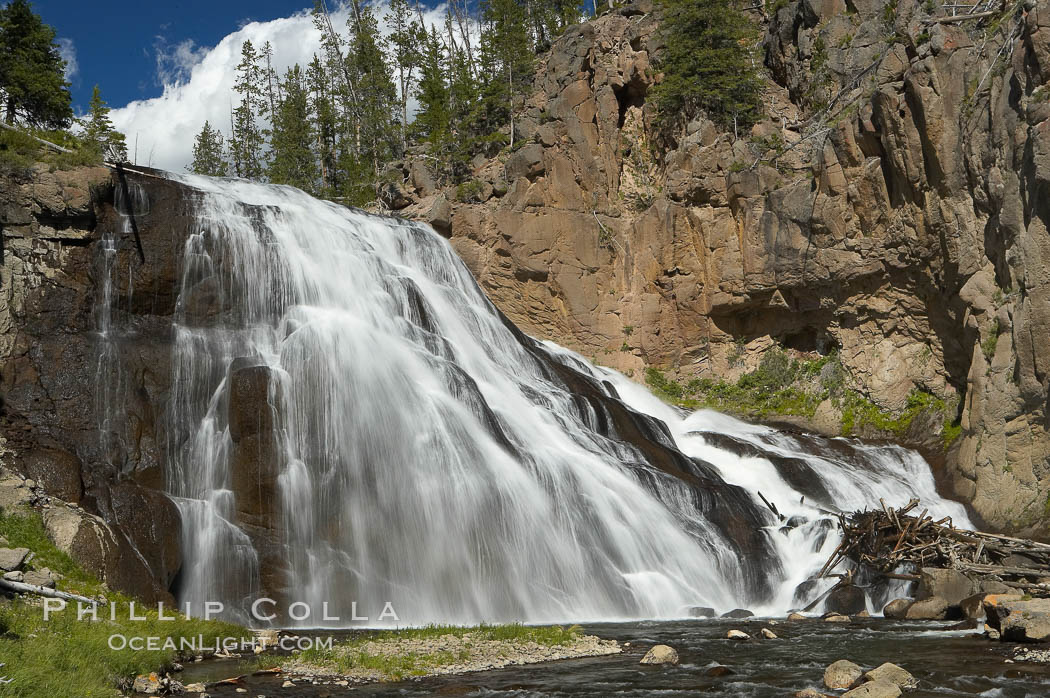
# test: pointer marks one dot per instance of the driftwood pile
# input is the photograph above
(886, 540)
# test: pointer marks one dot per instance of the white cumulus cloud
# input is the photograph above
(198, 84)
(68, 51)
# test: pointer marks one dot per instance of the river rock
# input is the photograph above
(809, 693)
(1018, 619)
(836, 618)
(738, 613)
(702, 612)
(934, 608)
(847, 600)
(796, 616)
(891, 673)
(737, 635)
(864, 614)
(842, 674)
(147, 683)
(896, 608)
(972, 607)
(874, 689)
(768, 634)
(951, 585)
(660, 654)
(12, 558)
(718, 671)
(194, 688)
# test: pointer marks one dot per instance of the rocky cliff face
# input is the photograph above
(89, 458)
(890, 208)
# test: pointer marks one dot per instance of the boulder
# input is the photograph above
(934, 608)
(836, 618)
(738, 613)
(147, 683)
(842, 674)
(896, 608)
(660, 654)
(718, 670)
(440, 216)
(874, 689)
(15, 576)
(864, 614)
(702, 612)
(951, 585)
(847, 600)
(1017, 618)
(40, 578)
(972, 607)
(796, 616)
(891, 673)
(738, 635)
(768, 634)
(809, 693)
(12, 558)
(526, 162)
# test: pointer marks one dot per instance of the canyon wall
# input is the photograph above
(888, 208)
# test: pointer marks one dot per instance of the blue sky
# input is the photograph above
(117, 43)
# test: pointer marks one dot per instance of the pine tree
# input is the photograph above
(325, 122)
(506, 62)
(376, 135)
(405, 37)
(708, 64)
(293, 159)
(435, 107)
(99, 133)
(246, 141)
(33, 86)
(207, 153)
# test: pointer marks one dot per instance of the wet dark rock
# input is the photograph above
(738, 613)
(719, 671)
(897, 608)
(848, 600)
(702, 612)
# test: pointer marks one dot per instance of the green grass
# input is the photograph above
(991, 341)
(19, 152)
(774, 388)
(784, 386)
(66, 657)
(352, 656)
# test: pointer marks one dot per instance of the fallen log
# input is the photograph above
(24, 588)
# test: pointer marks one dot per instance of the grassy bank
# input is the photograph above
(782, 386)
(19, 152)
(63, 656)
(414, 652)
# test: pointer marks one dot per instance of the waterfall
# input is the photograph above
(353, 423)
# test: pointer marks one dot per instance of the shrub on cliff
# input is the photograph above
(708, 64)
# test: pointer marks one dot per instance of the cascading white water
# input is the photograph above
(423, 454)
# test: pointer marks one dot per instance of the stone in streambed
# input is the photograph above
(796, 616)
(842, 674)
(1018, 619)
(809, 693)
(934, 608)
(738, 613)
(739, 635)
(660, 654)
(719, 670)
(836, 618)
(148, 684)
(768, 634)
(897, 608)
(891, 673)
(701, 612)
(847, 600)
(874, 689)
